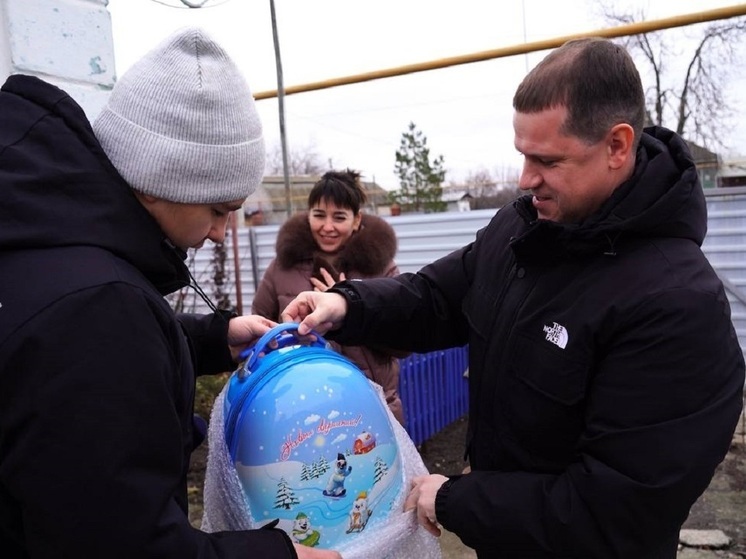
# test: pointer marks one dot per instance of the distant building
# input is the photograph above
(732, 173)
(457, 198)
(708, 164)
(717, 172)
(269, 204)
(464, 198)
(464, 203)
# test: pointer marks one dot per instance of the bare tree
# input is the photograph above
(220, 285)
(213, 277)
(492, 189)
(480, 184)
(688, 73)
(303, 160)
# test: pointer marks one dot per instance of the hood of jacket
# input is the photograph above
(59, 188)
(369, 251)
(663, 198)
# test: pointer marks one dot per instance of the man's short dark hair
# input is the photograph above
(595, 79)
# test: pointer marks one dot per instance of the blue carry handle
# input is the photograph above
(283, 334)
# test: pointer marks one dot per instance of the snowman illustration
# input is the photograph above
(302, 532)
(335, 487)
(359, 513)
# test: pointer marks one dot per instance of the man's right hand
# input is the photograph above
(305, 552)
(317, 311)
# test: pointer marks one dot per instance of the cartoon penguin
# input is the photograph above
(335, 487)
(359, 513)
(302, 532)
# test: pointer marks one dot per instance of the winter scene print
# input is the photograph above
(317, 452)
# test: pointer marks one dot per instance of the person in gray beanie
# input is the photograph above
(181, 125)
(97, 373)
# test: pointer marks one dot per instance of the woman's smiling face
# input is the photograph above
(331, 225)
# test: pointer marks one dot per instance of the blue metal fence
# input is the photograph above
(433, 390)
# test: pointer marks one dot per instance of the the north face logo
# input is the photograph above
(557, 335)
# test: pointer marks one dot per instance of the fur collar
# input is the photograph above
(369, 252)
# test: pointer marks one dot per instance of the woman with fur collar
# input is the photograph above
(331, 242)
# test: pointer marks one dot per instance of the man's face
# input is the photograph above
(190, 225)
(568, 177)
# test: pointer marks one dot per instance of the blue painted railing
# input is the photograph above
(433, 390)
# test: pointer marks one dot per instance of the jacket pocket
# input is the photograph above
(558, 374)
(543, 402)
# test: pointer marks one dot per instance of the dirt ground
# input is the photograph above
(721, 507)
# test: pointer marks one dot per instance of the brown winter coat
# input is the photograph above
(368, 253)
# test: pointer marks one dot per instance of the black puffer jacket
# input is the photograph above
(96, 371)
(605, 375)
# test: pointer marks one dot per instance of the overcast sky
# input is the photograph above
(465, 111)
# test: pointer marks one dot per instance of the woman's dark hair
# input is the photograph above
(343, 188)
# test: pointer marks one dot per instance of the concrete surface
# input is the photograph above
(452, 548)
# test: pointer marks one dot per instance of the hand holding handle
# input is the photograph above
(284, 335)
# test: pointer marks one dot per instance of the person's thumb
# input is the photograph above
(311, 323)
(305, 326)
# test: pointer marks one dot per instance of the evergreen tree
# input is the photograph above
(305, 474)
(316, 469)
(380, 469)
(420, 178)
(285, 497)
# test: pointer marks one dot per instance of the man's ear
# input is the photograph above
(620, 145)
(145, 199)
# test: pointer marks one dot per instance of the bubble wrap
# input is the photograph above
(397, 537)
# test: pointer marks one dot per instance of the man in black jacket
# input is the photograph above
(606, 379)
(97, 374)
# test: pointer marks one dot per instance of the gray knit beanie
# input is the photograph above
(181, 124)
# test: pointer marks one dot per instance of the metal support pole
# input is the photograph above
(281, 106)
(236, 263)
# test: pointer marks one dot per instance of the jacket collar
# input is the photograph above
(369, 251)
